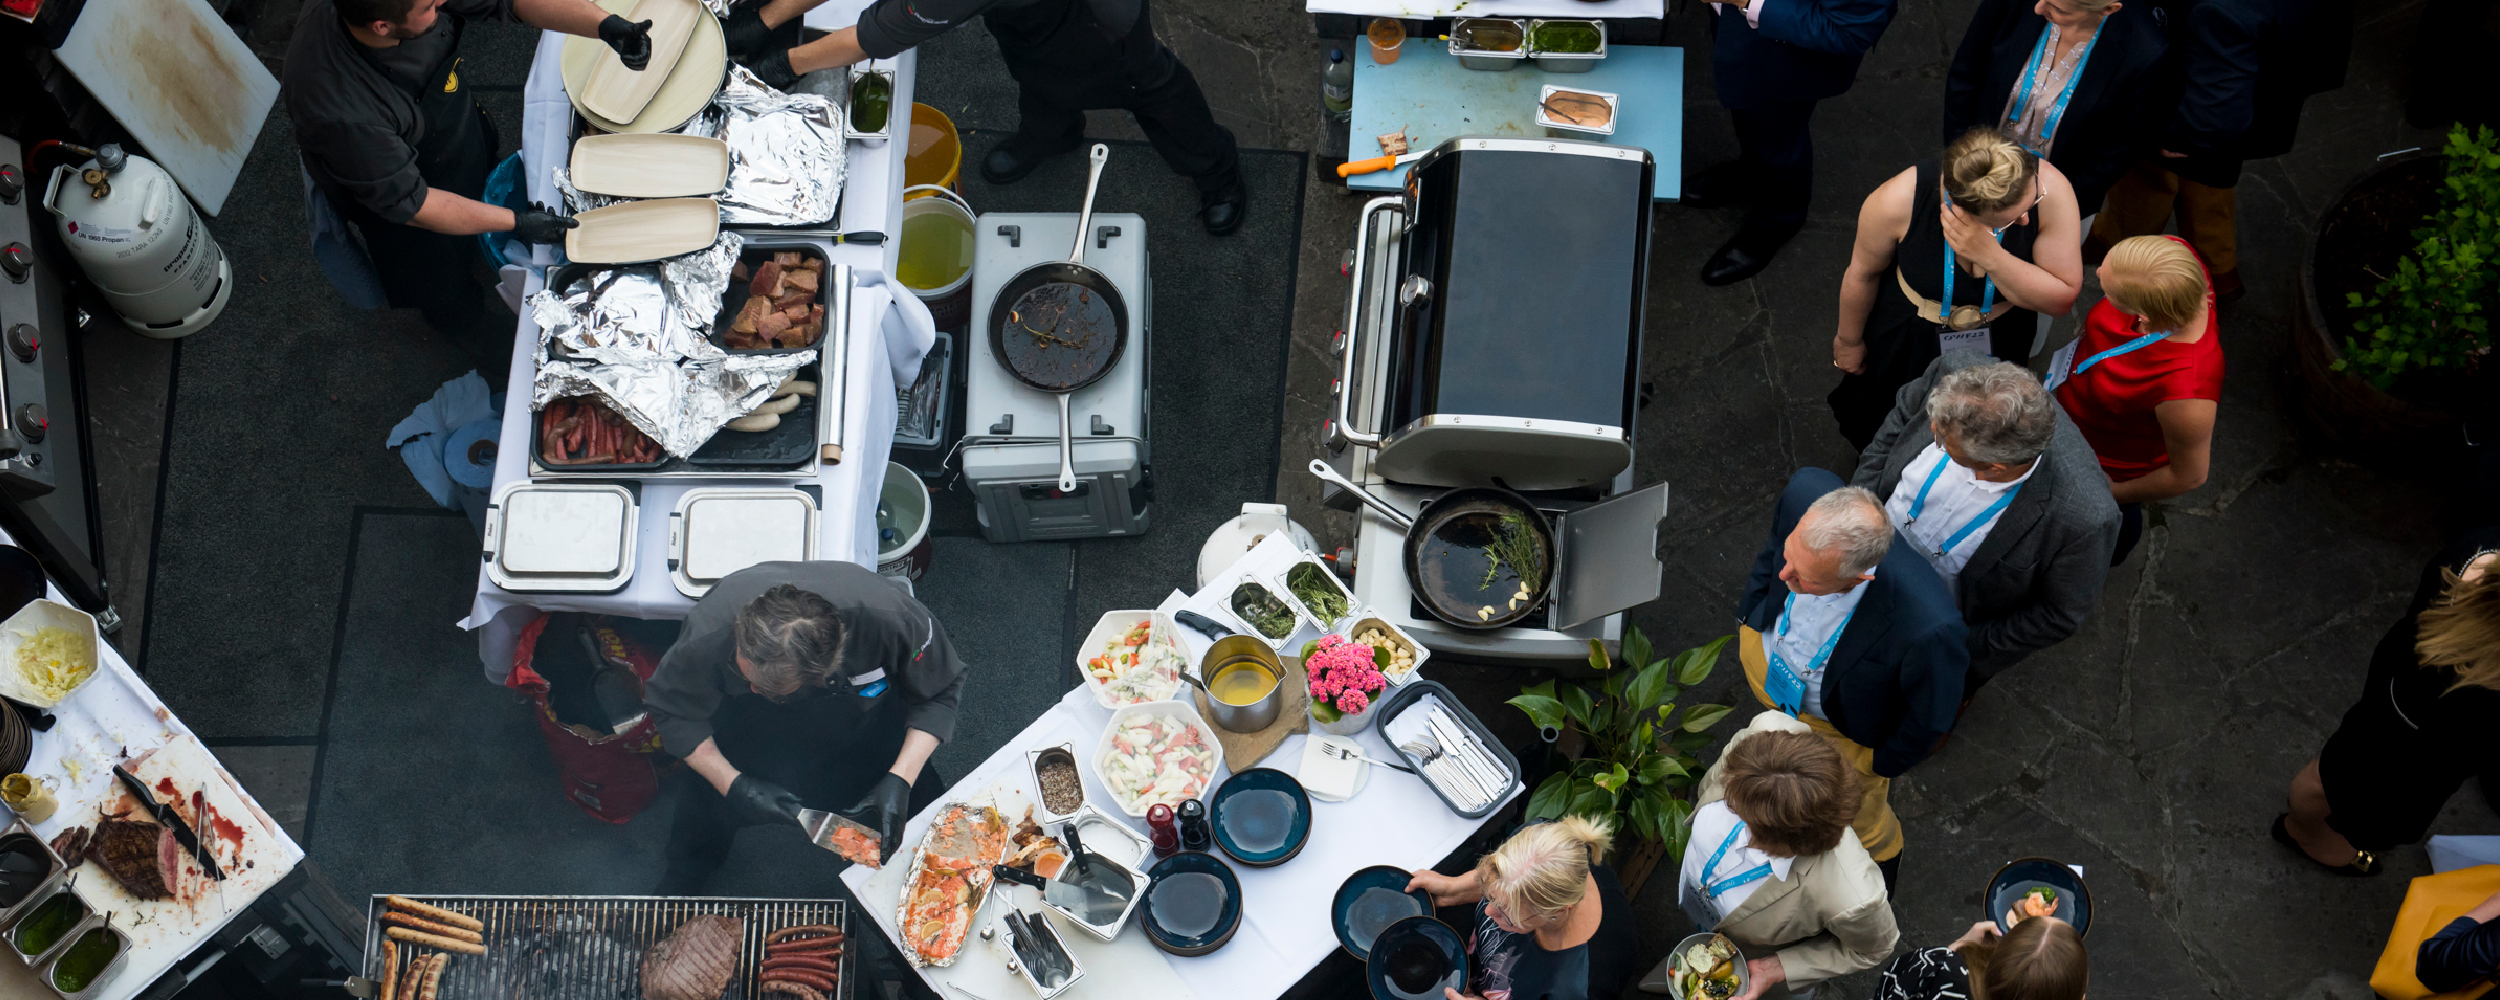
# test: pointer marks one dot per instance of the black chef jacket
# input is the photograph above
(357, 125)
(888, 27)
(883, 630)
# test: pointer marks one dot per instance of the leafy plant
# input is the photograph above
(1640, 762)
(2434, 312)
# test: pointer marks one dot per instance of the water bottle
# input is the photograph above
(1336, 87)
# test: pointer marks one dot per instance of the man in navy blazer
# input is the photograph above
(1771, 60)
(1857, 637)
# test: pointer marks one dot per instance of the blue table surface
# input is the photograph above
(1434, 98)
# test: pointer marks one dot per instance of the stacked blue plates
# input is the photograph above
(2018, 878)
(1192, 905)
(1415, 959)
(1371, 900)
(1261, 816)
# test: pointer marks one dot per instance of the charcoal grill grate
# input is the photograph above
(591, 947)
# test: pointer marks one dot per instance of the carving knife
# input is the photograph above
(165, 815)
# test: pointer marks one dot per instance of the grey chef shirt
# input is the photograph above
(358, 127)
(888, 27)
(882, 629)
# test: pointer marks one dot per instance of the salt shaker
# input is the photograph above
(1195, 834)
(1159, 822)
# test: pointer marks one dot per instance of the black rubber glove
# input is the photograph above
(774, 69)
(884, 809)
(630, 39)
(537, 225)
(745, 31)
(754, 800)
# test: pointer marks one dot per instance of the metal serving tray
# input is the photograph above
(716, 531)
(556, 538)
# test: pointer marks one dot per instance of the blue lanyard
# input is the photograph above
(1918, 504)
(2057, 110)
(1747, 877)
(1987, 295)
(2137, 344)
(1788, 613)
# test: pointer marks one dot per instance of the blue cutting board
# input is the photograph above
(1435, 98)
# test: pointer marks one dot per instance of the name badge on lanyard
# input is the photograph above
(2062, 365)
(1701, 899)
(1786, 684)
(1976, 337)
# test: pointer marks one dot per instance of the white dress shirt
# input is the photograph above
(1956, 498)
(1753, 12)
(1796, 642)
(1711, 824)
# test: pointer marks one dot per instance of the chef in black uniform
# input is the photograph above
(392, 137)
(790, 684)
(1068, 57)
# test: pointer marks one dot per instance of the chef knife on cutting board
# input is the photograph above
(171, 820)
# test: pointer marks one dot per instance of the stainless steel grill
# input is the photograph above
(590, 947)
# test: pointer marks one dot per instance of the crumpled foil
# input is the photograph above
(576, 200)
(787, 158)
(637, 340)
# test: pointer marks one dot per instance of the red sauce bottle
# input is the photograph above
(1167, 837)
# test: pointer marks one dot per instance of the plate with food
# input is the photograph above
(47, 651)
(1706, 967)
(948, 880)
(1132, 657)
(1160, 752)
(2038, 887)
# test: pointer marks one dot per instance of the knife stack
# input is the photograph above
(1448, 754)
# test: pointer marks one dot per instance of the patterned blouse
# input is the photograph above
(2048, 81)
(1927, 974)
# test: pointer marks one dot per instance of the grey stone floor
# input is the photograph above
(2151, 749)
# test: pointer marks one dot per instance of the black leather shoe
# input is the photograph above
(1015, 157)
(1722, 186)
(1223, 214)
(1744, 255)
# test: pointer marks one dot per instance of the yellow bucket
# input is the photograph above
(936, 154)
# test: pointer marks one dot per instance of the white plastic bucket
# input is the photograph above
(949, 303)
(906, 499)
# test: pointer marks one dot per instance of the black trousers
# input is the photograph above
(1066, 61)
(1174, 116)
(700, 835)
(1777, 150)
(2130, 531)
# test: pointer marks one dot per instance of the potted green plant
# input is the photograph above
(2392, 330)
(1634, 759)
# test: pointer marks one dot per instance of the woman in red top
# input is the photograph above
(2143, 380)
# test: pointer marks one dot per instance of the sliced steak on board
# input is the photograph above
(695, 962)
(141, 856)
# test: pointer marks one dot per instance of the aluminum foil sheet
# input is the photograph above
(787, 159)
(576, 200)
(679, 406)
(660, 311)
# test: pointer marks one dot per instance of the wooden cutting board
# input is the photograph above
(1243, 751)
(180, 80)
(659, 165)
(620, 94)
(638, 231)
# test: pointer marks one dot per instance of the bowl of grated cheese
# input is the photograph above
(47, 649)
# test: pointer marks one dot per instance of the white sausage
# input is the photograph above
(755, 422)
(794, 387)
(779, 405)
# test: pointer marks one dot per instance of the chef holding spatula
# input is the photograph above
(790, 683)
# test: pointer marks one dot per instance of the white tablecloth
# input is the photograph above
(890, 331)
(1285, 929)
(1490, 8)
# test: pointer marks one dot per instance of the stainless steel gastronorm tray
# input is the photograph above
(591, 947)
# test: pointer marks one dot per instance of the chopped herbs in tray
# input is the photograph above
(1565, 37)
(1262, 611)
(1310, 585)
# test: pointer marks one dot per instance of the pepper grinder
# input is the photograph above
(1195, 834)
(1159, 823)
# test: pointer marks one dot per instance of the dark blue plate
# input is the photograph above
(1192, 904)
(2074, 898)
(1371, 900)
(1415, 959)
(1261, 816)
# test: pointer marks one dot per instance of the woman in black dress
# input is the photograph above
(2004, 219)
(2423, 724)
(2042, 959)
(1551, 922)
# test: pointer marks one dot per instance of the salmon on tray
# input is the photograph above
(949, 877)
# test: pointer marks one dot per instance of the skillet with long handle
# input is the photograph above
(1029, 324)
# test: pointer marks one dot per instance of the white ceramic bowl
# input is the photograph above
(1179, 710)
(37, 614)
(1111, 626)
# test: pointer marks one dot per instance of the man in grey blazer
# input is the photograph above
(1988, 479)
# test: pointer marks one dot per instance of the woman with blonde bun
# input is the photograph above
(1958, 252)
(1551, 921)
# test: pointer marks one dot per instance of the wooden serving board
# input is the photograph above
(659, 165)
(689, 86)
(619, 94)
(638, 231)
(1243, 751)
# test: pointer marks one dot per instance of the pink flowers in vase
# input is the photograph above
(1344, 677)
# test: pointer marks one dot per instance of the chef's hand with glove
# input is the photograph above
(754, 800)
(884, 809)
(630, 39)
(537, 225)
(745, 31)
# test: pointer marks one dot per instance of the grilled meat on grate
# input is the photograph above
(695, 962)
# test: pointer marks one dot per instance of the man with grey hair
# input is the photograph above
(1990, 481)
(1851, 632)
(789, 684)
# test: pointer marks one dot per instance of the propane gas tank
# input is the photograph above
(130, 227)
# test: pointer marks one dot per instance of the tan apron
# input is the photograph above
(1878, 829)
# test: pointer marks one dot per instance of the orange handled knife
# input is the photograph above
(1352, 167)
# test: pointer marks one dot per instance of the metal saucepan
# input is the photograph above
(1455, 548)
(1239, 653)
(1061, 326)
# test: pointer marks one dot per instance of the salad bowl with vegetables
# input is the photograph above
(1157, 753)
(1132, 657)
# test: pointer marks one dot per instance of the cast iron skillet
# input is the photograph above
(1047, 326)
(1444, 555)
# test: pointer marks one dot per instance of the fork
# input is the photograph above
(1447, 776)
(1349, 753)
